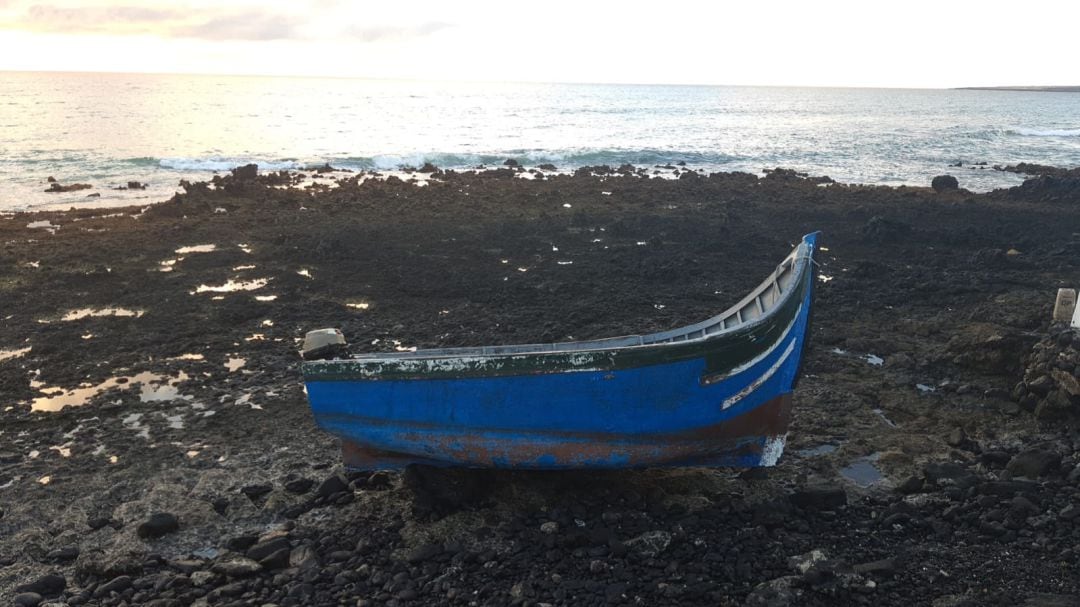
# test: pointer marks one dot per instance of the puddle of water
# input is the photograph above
(838, 351)
(881, 414)
(244, 247)
(188, 357)
(564, 263)
(567, 205)
(824, 278)
(191, 454)
(818, 450)
(45, 480)
(64, 450)
(113, 459)
(863, 472)
(33, 454)
(362, 305)
(153, 388)
(659, 306)
(87, 336)
(34, 264)
(925, 388)
(6, 354)
(199, 248)
(876, 361)
(167, 265)
(100, 312)
(523, 269)
(235, 364)
(231, 286)
(641, 243)
(238, 268)
(305, 273)
(44, 224)
(267, 323)
(256, 337)
(265, 297)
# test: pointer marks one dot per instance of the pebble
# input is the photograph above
(28, 599)
(158, 525)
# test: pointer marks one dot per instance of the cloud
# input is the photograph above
(250, 25)
(96, 19)
(377, 33)
(209, 23)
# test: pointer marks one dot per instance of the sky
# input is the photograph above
(918, 43)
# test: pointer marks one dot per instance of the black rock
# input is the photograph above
(882, 566)
(66, 553)
(28, 599)
(220, 505)
(246, 172)
(241, 543)
(277, 560)
(46, 585)
(425, 552)
(98, 523)
(254, 492)
(950, 473)
(1006, 487)
(1034, 463)
(118, 584)
(333, 484)
(819, 498)
(158, 525)
(913, 484)
(299, 486)
(943, 183)
(262, 550)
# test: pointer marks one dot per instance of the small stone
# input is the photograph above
(277, 560)
(819, 498)
(881, 566)
(299, 486)
(28, 599)
(237, 567)
(262, 550)
(550, 528)
(333, 484)
(956, 438)
(158, 525)
(66, 553)
(117, 584)
(303, 557)
(1034, 463)
(46, 585)
(254, 492)
(425, 552)
(650, 543)
(201, 578)
(804, 562)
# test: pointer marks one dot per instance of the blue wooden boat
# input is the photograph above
(716, 393)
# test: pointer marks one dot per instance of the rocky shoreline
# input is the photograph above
(923, 467)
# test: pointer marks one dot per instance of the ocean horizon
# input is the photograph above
(107, 129)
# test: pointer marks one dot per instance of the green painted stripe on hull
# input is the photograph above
(722, 353)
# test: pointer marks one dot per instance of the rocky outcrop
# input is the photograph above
(944, 183)
(1051, 385)
(55, 186)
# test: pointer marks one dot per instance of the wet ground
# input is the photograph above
(148, 365)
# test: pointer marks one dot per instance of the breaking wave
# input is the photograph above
(1047, 132)
(563, 159)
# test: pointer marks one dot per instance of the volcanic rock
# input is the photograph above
(944, 183)
(158, 525)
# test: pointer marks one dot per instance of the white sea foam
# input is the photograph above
(1048, 132)
(215, 163)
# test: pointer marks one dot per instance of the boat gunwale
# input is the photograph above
(798, 259)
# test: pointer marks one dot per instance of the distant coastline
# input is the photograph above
(1032, 89)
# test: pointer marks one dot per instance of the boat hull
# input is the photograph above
(713, 402)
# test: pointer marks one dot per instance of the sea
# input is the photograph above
(108, 129)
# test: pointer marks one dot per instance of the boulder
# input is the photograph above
(247, 172)
(944, 183)
(158, 525)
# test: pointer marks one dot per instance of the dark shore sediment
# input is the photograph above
(912, 476)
